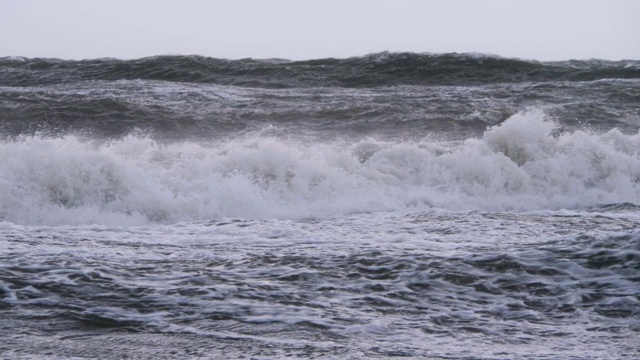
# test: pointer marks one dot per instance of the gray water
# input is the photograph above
(394, 205)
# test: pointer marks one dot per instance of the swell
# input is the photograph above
(382, 69)
(167, 110)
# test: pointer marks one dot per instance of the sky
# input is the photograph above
(307, 29)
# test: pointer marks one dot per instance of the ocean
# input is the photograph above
(394, 205)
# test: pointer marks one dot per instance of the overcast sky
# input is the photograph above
(305, 29)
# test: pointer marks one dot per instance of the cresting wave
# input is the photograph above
(519, 165)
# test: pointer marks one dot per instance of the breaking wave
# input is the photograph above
(523, 164)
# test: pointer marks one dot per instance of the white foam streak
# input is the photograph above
(518, 165)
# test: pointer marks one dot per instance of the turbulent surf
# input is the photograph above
(415, 205)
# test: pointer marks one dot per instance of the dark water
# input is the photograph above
(392, 205)
(392, 94)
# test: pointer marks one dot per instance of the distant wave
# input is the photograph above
(381, 69)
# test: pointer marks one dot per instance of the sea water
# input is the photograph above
(393, 205)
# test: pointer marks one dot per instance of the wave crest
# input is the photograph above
(519, 165)
(381, 69)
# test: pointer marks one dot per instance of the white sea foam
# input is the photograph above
(518, 165)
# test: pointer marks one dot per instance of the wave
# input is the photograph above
(381, 69)
(112, 109)
(521, 165)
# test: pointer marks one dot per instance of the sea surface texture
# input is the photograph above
(452, 206)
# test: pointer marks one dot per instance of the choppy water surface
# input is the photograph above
(394, 205)
(435, 284)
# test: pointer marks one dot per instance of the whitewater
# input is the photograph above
(517, 165)
(441, 206)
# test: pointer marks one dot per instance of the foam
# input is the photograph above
(519, 165)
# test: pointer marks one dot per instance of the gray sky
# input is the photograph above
(305, 29)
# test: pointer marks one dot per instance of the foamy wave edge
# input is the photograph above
(522, 164)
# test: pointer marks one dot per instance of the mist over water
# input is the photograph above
(420, 205)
